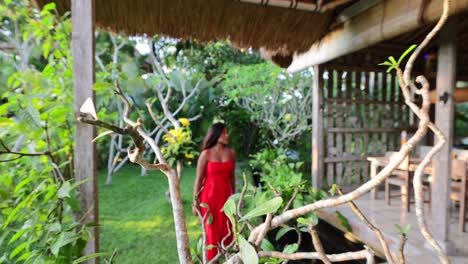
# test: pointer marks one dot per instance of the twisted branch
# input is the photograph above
(372, 227)
(314, 255)
(318, 244)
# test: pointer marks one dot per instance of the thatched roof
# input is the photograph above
(245, 24)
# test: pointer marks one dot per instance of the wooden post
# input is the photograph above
(83, 81)
(317, 129)
(446, 79)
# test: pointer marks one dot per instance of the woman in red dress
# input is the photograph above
(214, 184)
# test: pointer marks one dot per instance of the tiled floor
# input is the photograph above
(385, 217)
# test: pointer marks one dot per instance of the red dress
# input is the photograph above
(216, 190)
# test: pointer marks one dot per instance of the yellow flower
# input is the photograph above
(176, 135)
(184, 121)
(169, 139)
(189, 156)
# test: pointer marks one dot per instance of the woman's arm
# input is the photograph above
(201, 168)
(233, 178)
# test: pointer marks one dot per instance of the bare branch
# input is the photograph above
(4, 145)
(369, 255)
(265, 229)
(25, 154)
(296, 191)
(135, 158)
(318, 244)
(372, 227)
(158, 123)
(366, 187)
(314, 255)
(405, 82)
(240, 203)
(402, 248)
(165, 108)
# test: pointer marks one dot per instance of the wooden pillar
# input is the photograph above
(317, 129)
(446, 79)
(83, 81)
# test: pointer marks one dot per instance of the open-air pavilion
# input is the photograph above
(343, 40)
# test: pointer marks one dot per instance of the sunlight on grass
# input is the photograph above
(136, 216)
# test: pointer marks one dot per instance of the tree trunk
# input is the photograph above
(183, 246)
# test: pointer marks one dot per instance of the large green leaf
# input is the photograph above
(90, 256)
(270, 206)
(64, 239)
(64, 191)
(282, 232)
(247, 251)
(18, 235)
(289, 249)
(267, 245)
(30, 116)
(18, 249)
(229, 209)
(407, 51)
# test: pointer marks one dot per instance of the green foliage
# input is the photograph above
(282, 231)
(229, 209)
(344, 221)
(210, 60)
(247, 251)
(393, 64)
(270, 206)
(403, 231)
(276, 101)
(180, 145)
(267, 245)
(38, 196)
(289, 249)
(279, 173)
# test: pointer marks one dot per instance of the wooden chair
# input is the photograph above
(403, 178)
(459, 189)
(400, 177)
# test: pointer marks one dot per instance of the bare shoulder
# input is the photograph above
(203, 155)
(232, 153)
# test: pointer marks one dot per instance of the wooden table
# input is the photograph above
(382, 161)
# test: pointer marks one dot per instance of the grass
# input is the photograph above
(136, 219)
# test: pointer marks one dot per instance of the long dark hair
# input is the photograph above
(213, 135)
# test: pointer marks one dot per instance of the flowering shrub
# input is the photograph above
(180, 145)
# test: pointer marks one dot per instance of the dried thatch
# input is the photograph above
(246, 25)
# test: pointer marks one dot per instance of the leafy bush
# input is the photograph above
(278, 172)
(180, 145)
(39, 208)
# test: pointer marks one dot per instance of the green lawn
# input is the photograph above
(136, 216)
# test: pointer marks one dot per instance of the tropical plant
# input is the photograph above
(277, 102)
(39, 207)
(180, 145)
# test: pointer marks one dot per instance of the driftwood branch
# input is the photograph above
(406, 84)
(318, 244)
(240, 202)
(314, 255)
(265, 229)
(424, 124)
(372, 227)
